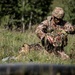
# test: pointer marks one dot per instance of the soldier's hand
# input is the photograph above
(50, 39)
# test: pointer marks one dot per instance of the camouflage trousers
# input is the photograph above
(57, 50)
(49, 47)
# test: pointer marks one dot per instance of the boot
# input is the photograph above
(63, 55)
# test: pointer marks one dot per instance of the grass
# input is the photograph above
(10, 43)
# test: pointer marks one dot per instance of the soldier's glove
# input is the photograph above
(69, 28)
(50, 39)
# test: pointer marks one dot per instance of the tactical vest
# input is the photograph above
(58, 34)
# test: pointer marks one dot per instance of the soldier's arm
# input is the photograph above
(41, 30)
(69, 28)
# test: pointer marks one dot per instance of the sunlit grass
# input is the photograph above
(10, 43)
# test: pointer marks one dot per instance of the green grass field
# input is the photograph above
(10, 43)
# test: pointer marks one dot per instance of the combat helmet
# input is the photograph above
(58, 12)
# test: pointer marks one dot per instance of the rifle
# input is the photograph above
(57, 35)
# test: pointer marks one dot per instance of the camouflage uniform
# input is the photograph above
(57, 32)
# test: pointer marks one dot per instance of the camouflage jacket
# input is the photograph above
(47, 27)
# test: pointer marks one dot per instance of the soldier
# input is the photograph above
(53, 32)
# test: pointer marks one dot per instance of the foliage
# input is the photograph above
(10, 43)
(31, 12)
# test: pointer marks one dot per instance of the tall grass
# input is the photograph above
(10, 43)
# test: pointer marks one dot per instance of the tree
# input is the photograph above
(28, 12)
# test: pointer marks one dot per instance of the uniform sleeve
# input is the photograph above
(41, 30)
(69, 28)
